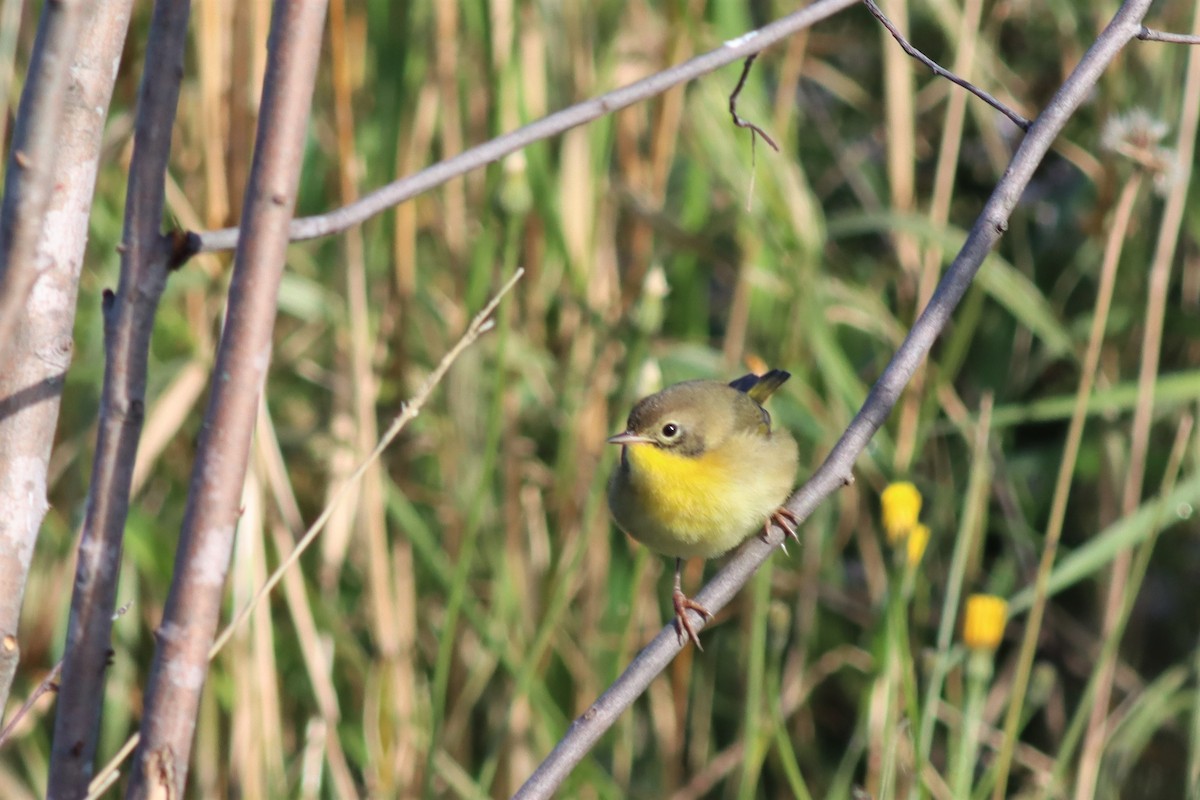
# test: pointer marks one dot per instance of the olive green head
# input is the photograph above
(692, 417)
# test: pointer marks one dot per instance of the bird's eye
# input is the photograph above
(670, 430)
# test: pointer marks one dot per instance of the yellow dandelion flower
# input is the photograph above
(983, 622)
(918, 538)
(901, 506)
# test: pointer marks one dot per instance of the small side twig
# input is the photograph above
(942, 72)
(1150, 35)
(742, 123)
(48, 684)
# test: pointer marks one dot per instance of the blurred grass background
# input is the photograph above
(472, 597)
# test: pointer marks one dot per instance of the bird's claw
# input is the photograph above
(683, 625)
(786, 520)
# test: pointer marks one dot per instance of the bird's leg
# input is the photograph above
(683, 625)
(784, 519)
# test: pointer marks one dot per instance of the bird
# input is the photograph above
(701, 469)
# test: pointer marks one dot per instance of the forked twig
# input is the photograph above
(742, 123)
(940, 71)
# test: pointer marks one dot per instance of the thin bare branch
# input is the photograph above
(1149, 35)
(29, 177)
(206, 540)
(1016, 118)
(733, 96)
(128, 321)
(409, 187)
(836, 471)
(48, 683)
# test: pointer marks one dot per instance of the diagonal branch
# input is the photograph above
(837, 469)
(214, 496)
(409, 187)
(940, 71)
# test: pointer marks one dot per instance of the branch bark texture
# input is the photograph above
(28, 185)
(836, 471)
(40, 349)
(206, 540)
(128, 321)
(29, 180)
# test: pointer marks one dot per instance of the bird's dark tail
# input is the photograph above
(760, 387)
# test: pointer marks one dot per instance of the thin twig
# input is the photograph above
(480, 325)
(409, 187)
(1016, 118)
(741, 123)
(1149, 35)
(49, 683)
(837, 469)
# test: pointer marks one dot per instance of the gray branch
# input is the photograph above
(128, 321)
(29, 179)
(837, 469)
(214, 496)
(28, 183)
(409, 187)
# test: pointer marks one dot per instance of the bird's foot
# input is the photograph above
(784, 519)
(683, 625)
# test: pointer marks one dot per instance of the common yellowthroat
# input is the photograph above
(701, 469)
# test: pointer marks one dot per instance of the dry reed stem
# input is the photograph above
(1096, 737)
(939, 215)
(1062, 487)
(271, 462)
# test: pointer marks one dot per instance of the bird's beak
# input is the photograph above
(629, 437)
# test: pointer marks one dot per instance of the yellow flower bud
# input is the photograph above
(918, 537)
(983, 623)
(901, 506)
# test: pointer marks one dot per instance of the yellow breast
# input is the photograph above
(702, 505)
